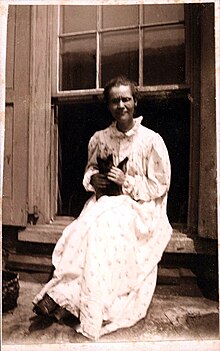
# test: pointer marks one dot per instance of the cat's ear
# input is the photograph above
(99, 161)
(123, 165)
(110, 158)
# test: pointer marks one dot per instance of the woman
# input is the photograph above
(106, 260)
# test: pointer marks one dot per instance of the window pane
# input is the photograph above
(163, 13)
(79, 18)
(78, 63)
(119, 55)
(119, 16)
(164, 56)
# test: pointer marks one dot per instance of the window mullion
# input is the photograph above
(140, 78)
(59, 66)
(98, 52)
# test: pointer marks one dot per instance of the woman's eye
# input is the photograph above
(126, 99)
(117, 100)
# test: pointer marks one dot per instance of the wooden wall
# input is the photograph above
(41, 121)
(16, 119)
(207, 219)
(29, 130)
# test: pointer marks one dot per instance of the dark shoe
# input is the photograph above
(45, 306)
(61, 313)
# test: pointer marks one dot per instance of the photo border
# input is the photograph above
(170, 345)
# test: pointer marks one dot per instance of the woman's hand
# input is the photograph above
(116, 175)
(99, 181)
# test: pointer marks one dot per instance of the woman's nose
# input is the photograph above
(121, 104)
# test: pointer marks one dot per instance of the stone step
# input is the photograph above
(21, 262)
(43, 264)
(45, 233)
(50, 233)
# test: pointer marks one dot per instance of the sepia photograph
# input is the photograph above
(109, 184)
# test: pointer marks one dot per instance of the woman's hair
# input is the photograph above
(121, 80)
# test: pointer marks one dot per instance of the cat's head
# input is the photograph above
(104, 165)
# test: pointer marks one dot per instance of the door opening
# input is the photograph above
(170, 117)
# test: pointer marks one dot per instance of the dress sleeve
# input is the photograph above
(156, 182)
(91, 167)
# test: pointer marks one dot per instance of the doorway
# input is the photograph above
(169, 115)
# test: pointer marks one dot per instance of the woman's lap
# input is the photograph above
(99, 266)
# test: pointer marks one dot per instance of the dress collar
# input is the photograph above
(130, 132)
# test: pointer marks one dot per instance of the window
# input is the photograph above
(144, 42)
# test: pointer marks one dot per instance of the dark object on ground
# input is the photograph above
(10, 290)
(46, 306)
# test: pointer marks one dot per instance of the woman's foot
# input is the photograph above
(45, 306)
(61, 313)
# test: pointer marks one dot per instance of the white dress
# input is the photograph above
(106, 260)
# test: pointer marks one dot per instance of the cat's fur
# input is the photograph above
(104, 166)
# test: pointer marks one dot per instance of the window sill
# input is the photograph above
(157, 90)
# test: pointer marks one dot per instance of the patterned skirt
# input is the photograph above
(106, 263)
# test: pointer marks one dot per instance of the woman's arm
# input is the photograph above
(157, 180)
(92, 180)
(91, 167)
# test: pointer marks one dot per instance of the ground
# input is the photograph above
(177, 312)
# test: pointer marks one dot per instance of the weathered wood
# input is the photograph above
(202, 178)
(18, 262)
(16, 132)
(193, 78)
(179, 243)
(168, 276)
(207, 214)
(10, 47)
(27, 262)
(40, 146)
(8, 164)
(53, 174)
(45, 233)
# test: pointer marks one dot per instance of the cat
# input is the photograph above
(104, 166)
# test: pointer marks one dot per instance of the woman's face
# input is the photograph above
(121, 104)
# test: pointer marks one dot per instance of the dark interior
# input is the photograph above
(169, 115)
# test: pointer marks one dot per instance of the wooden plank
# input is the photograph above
(63, 219)
(55, 49)
(151, 89)
(193, 76)
(32, 263)
(188, 245)
(54, 163)
(40, 171)
(8, 166)
(20, 142)
(179, 243)
(167, 276)
(44, 237)
(45, 233)
(10, 47)
(207, 215)
(16, 132)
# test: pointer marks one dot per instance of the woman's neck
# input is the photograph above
(125, 128)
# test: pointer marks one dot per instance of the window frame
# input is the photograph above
(98, 91)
